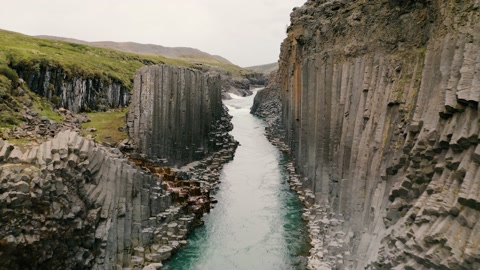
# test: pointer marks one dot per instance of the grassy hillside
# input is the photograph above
(76, 59)
(189, 54)
(14, 97)
(265, 69)
(86, 60)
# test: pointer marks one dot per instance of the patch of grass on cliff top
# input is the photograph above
(85, 60)
(107, 126)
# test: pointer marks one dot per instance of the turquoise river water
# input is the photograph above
(257, 222)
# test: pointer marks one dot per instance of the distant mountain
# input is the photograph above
(265, 69)
(138, 48)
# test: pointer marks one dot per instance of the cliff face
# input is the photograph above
(267, 104)
(71, 204)
(380, 105)
(175, 114)
(74, 92)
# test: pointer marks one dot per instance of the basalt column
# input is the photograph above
(173, 113)
(77, 93)
(380, 104)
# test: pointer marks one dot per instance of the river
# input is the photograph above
(257, 222)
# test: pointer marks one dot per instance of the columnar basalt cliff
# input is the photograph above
(176, 114)
(380, 105)
(76, 93)
(72, 204)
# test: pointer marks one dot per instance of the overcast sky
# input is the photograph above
(246, 32)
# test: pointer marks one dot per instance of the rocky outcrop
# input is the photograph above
(256, 79)
(240, 86)
(267, 105)
(237, 86)
(380, 104)
(70, 203)
(177, 115)
(77, 93)
(36, 128)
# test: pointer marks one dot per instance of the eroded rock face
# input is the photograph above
(72, 204)
(75, 93)
(175, 114)
(380, 107)
(237, 86)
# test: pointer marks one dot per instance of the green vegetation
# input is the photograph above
(18, 49)
(9, 73)
(9, 106)
(20, 142)
(45, 108)
(87, 61)
(265, 69)
(21, 51)
(107, 126)
(13, 99)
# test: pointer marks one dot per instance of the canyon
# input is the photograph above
(71, 203)
(375, 103)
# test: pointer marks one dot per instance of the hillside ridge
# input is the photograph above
(142, 48)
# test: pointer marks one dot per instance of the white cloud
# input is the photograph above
(247, 32)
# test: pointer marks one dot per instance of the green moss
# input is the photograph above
(9, 118)
(422, 49)
(9, 73)
(75, 59)
(107, 126)
(19, 142)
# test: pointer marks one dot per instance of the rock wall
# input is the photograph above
(380, 107)
(175, 113)
(74, 92)
(267, 104)
(72, 204)
(237, 86)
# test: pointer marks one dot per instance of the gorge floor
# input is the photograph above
(257, 223)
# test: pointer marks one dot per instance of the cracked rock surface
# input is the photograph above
(70, 203)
